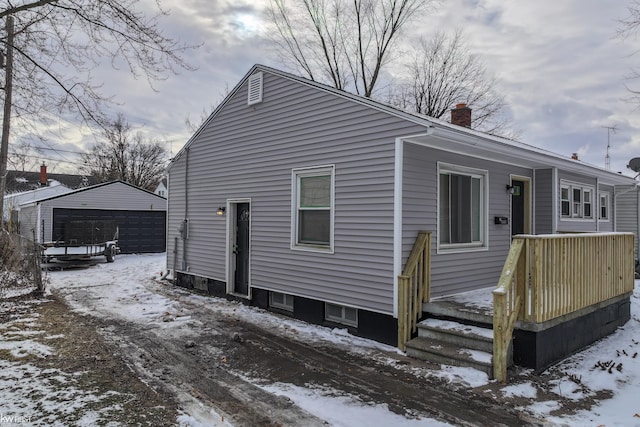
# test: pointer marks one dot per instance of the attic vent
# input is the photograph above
(255, 89)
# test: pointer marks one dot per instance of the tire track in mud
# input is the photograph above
(221, 360)
(200, 372)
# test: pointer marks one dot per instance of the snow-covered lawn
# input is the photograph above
(130, 289)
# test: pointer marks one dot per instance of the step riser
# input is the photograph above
(462, 341)
(446, 360)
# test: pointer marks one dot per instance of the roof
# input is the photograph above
(458, 139)
(20, 181)
(93, 187)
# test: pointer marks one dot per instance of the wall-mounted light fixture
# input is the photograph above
(221, 210)
(511, 189)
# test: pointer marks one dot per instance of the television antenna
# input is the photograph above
(607, 158)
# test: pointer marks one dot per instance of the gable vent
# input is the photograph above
(255, 89)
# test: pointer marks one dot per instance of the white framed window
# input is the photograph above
(462, 205)
(341, 314)
(281, 301)
(312, 208)
(604, 206)
(576, 200)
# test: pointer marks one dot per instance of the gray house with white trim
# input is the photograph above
(307, 200)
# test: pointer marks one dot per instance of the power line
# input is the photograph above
(51, 159)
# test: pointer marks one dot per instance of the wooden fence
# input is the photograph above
(413, 288)
(548, 276)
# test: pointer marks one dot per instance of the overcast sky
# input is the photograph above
(557, 62)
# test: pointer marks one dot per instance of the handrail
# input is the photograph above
(548, 276)
(507, 302)
(413, 287)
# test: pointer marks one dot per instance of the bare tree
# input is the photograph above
(24, 156)
(342, 43)
(126, 156)
(441, 73)
(630, 26)
(60, 46)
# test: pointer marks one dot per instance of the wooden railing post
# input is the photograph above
(413, 288)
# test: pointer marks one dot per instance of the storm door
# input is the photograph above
(241, 249)
(520, 207)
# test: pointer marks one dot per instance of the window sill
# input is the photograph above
(453, 249)
(312, 248)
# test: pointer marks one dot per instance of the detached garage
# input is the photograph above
(139, 214)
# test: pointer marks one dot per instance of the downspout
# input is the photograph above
(397, 220)
(185, 222)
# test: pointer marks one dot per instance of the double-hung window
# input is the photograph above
(576, 201)
(462, 207)
(312, 216)
(604, 206)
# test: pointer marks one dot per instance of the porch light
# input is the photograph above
(221, 210)
(511, 189)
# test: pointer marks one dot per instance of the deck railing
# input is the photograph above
(548, 276)
(413, 288)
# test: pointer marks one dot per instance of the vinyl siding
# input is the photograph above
(454, 273)
(113, 196)
(627, 204)
(543, 196)
(250, 151)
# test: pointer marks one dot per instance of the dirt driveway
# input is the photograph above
(206, 359)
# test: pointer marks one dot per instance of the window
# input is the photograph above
(566, 202)
(604, 206)
(312, 222)
(576, 201)
(341, 314)
(462, 201)
(281, 301)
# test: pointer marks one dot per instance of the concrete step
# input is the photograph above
(447, 353)
(454, 343)
(468, 336)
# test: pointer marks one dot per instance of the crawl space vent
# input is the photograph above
(255, 89)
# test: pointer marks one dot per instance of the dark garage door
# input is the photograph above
(140, 231)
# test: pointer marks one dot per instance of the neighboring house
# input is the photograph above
(307, 200)
(139, 214)
(161, 189)
(21, 181)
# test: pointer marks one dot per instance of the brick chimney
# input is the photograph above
(43, 175)
(461, 115)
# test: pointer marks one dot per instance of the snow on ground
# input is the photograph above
(345, 410)
(56, 397)
(127, 289)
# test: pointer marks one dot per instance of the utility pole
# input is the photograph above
(607, 159)
(4, 141)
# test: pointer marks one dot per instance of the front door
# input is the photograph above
(519, 223)
(241, 249)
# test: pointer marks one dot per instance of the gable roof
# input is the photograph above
(20, 181)
(457, 138)
(93, 187)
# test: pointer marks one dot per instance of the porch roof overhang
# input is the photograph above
(475, 144)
